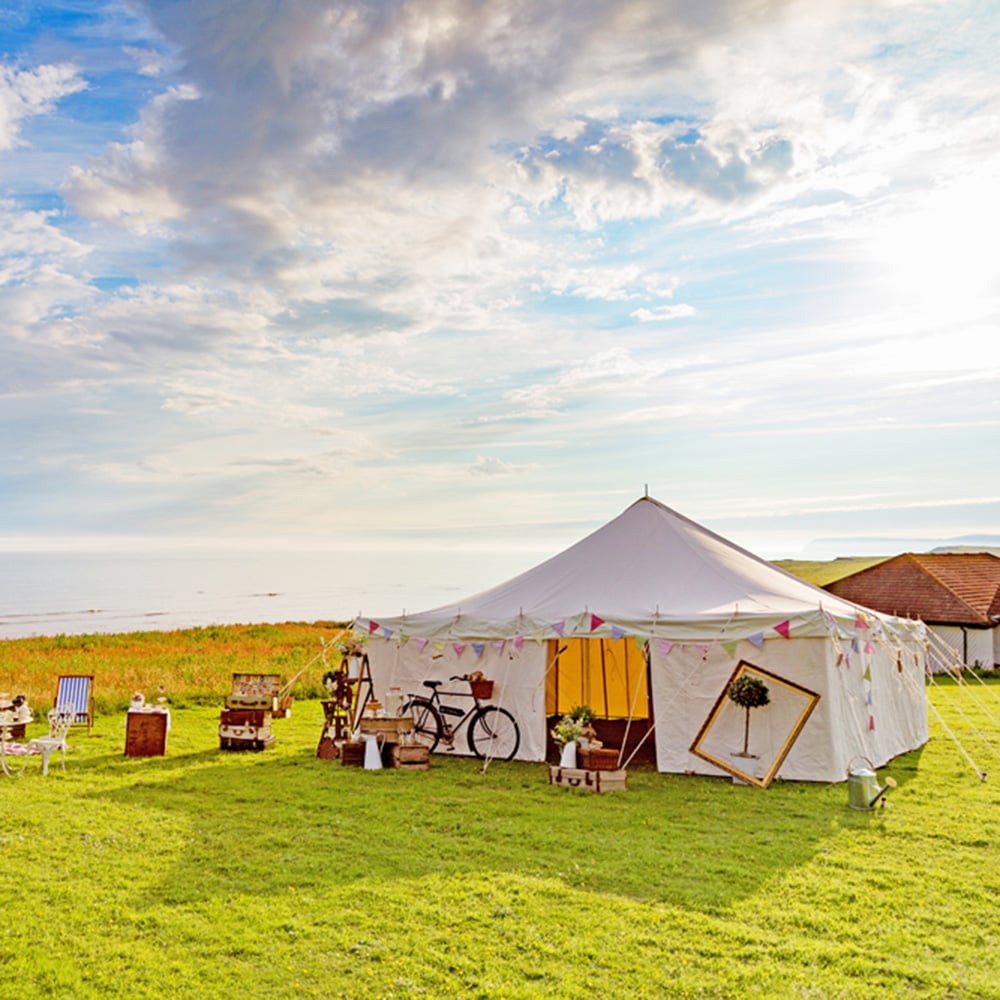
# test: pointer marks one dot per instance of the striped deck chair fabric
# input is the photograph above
(77, 690)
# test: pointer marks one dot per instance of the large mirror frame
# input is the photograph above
(788, 690)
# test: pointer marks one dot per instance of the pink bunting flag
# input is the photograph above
(498, 645)
(860, 622)
(702, 649)
(617, 632)
(871, 723)
(421, 643)
(595, 622)
(783, 628)
(869, 648)
(518, 642)
(459, 648)
(757, 639)
(372, 627)
(665, 646)
(559, 628)
(479, 647)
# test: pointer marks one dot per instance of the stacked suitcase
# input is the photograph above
(245, 722)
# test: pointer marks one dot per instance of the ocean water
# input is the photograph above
(47, 593)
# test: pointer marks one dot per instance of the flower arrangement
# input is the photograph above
(351, 644)
(567, 730)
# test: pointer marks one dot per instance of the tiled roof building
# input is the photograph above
(958, 593)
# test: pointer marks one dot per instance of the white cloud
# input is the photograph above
(25, 93)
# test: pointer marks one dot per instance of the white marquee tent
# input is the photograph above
(647, 620)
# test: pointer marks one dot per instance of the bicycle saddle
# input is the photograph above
(433, 684)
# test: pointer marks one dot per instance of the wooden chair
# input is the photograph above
(77, 690)
(60, 719)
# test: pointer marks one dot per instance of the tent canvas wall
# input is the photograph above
(654, 612)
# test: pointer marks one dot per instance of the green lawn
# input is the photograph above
(206, 874)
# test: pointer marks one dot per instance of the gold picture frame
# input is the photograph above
(789, 709)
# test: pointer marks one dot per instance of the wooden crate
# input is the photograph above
(411, 757)
(591, 781)
(597, 759)
(146, 734)
(390, 728)
(352, 754)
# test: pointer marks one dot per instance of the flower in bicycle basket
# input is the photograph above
(567, 730)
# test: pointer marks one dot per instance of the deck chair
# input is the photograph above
(60, 719)
(77, 690)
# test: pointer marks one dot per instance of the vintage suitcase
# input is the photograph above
(245, 732)
(255, 691)
(245, 717)
(591, 781)
(225, 743)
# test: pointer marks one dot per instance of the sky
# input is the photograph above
(461, 277)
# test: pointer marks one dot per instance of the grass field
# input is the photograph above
(205, 874)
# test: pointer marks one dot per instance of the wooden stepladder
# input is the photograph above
(348, 697)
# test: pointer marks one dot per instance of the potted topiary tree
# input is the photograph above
(748, 692)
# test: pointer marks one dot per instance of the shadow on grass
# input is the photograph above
(270, 822)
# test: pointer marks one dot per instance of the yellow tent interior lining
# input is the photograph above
(610, 676)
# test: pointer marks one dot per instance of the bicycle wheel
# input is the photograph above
(426, 722)
(494, 733)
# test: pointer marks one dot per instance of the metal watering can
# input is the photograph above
(862, 785)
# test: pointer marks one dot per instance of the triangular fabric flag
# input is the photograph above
(518, 642)
(403, 640)
(498, 645)
(847, 658)
(387, 632)
(869, 648)
(871, 722)
(421, 643)
(702, 649)
(868, 674)
(372, 627)
(439, 648)
(860, 622)
(617, 632)
(855, 645)
(783, 628)
(640, 643)
(840, 659)
(459, 647)
(868, 700)
(559, 628)
(665, 646)
(730, 648)
(479, 647)
(757, 639)
(595, 622)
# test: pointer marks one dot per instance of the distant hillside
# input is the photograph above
(821, 573)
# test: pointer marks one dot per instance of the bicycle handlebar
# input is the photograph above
(461, 677)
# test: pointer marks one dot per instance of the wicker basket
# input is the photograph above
(482, 689)
(597, 759)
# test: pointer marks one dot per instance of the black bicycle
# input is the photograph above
(492, 731)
